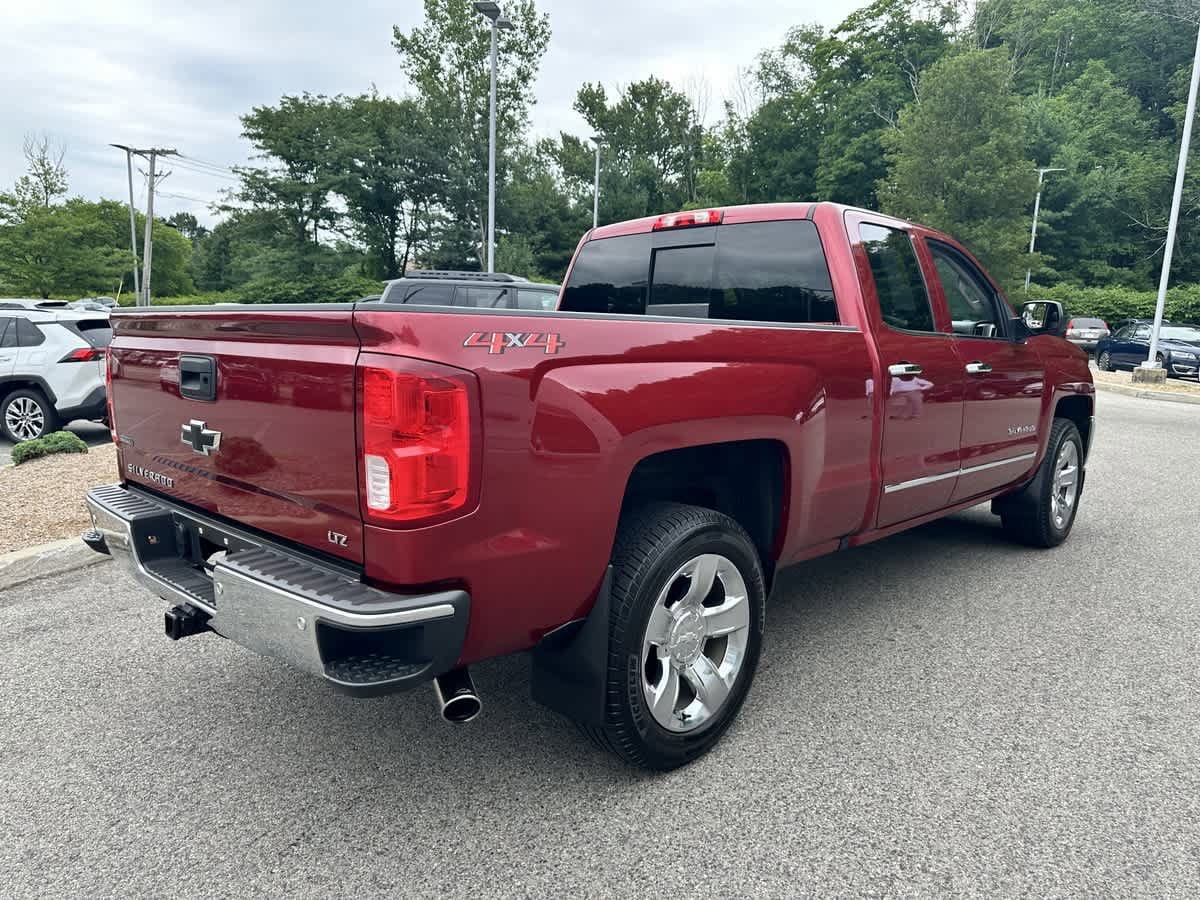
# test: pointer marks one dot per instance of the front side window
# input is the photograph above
(480, 297)
(535, 300)
(1142, 333)
(903, 300)
(974, 307)
(747, 272)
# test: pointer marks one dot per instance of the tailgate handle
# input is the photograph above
(198, 377)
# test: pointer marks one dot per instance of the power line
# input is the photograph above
(209, 172)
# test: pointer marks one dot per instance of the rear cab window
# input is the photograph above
(771, 272)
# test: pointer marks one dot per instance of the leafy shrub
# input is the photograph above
(1115, 304)
(318, 289)
(199, 299)
(57, 442)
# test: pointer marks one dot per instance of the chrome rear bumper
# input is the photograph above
(277, 602)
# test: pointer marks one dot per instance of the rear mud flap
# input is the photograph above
(570, 664)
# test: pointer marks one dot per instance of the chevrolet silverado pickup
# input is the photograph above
(382, 495)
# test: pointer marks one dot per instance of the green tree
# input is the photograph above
(447, 61)
(187, 225)
(956, 161)
(62, 249)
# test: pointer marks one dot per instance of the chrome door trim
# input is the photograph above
(970, 470)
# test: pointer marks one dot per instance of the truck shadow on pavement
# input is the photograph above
(396, 747)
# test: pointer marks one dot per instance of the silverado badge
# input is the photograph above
(202, 440)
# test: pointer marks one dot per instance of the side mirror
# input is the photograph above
(1044, 317)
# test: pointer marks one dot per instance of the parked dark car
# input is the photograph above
(1178, 348)
(481, 290)
(1086, 333)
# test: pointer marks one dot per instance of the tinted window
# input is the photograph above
(97, 332)
(8, 333)
(972, 302)
(481, 297)
(428, 294)
(750, 272)
(1123, 333)
(28, 334)
(903, 300)
(536, 299)
(610, 276)
(1088, 323)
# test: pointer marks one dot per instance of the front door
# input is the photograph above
(922, 376)
(1004, 377)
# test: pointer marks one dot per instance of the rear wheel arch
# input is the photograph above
(746, 480)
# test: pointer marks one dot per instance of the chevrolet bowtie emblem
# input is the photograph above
(200, 439)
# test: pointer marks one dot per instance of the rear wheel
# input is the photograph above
(1104, 362)
(1043, 513)
(688, 596)
(25, 415)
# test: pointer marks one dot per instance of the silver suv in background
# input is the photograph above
(479, 290)
(51, 367)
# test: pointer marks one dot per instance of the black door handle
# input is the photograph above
(198, 377)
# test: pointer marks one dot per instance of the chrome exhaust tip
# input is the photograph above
(456, 696)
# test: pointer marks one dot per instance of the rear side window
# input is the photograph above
(97, 332)
(28, 334)
(750, 272)
(8, 333)
(903, 300)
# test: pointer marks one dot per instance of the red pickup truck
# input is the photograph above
(384, 495)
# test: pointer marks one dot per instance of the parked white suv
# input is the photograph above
(51, 367)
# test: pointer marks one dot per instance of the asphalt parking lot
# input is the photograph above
(939, 713)
(92, 433)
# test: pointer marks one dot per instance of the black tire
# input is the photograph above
(652, 543)
(1028, 516)
(1104, 362)
(49, 418)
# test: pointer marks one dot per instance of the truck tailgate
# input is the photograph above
(274, 449)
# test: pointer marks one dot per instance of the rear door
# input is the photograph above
(1004, 378)
(923, 378)
(8, 346)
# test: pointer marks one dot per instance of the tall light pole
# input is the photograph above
(1188, 120)
(598, 140)
(491, 10)
(1037, 207)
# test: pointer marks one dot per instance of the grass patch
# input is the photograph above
(58, 442)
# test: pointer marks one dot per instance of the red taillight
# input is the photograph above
(688, 219)
(1071, 323)
(83, 354)
(416, 442)
(108, 398)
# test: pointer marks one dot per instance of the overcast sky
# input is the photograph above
(178, 74)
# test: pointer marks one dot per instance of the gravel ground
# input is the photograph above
(1176, 385)
(43, 498)
(939, 714)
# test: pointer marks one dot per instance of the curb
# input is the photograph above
(49, 559)
(1127, 391)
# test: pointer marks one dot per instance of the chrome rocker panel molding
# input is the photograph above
(276, 602)
(969, 470)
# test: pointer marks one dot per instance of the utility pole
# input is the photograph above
(137, 282)
(1037, 207)
(1165, 278)
(152, 154)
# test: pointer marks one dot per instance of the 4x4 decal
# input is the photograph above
(497, 342)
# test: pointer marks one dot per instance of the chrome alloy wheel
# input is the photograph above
(25, 418)
(1066, 484)
(695, 642)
